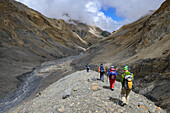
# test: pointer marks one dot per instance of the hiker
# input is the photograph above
(87, 67)
(112, 76)
(102, 70)
(127, 80)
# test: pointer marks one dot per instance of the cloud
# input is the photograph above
(88, 11)
(133, 9)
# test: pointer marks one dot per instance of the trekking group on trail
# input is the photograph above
(127, 80)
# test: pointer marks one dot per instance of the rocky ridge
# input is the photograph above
(82, 92)
(90, 34)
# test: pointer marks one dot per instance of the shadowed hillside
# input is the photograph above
(145, 46)
(27, 38)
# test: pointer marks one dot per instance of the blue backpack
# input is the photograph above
(101, 69)
(112, 74)
(87, 66)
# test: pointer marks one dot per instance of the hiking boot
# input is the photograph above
(112, 89)
(123, 104)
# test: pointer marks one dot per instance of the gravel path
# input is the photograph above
(84, 93)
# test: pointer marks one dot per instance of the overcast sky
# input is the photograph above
(106, 14)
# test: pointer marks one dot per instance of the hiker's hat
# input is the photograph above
(111, 66)
(126, 67)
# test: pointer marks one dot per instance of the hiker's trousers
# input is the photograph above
(125, 95)
(112, 82)
(102, 77)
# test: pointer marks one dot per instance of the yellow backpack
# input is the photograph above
(128, 81)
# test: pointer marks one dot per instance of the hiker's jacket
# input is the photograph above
(122, 77)
(87, 66)
(109, 72)
(103, 68)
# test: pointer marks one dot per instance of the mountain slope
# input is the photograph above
(27, 38)
(145, 46)
(91, 34)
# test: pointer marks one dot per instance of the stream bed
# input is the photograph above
(31, 81)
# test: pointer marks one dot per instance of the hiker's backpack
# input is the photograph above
(128, 81)
(88, 66)
(101, 69)
(112, 73)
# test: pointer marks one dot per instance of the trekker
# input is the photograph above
(102, 70)
(127, 80)
(112, 76)
(88, 68)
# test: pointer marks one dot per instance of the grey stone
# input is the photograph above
(68, 92)
(75, 88)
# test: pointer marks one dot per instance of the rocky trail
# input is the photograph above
(82, 92)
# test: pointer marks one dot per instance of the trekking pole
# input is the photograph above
(115, 83)
(119, 100)
(108, 81)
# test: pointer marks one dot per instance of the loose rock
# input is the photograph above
(85, 96)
